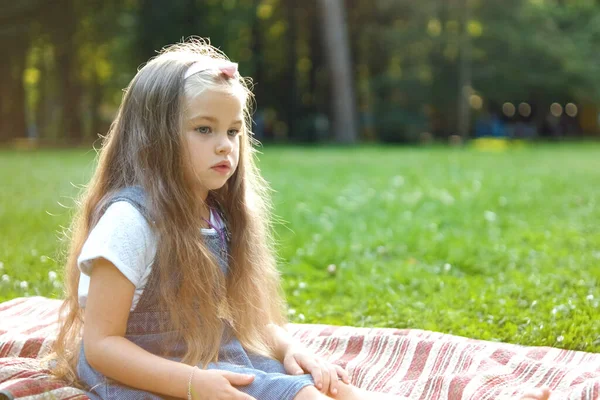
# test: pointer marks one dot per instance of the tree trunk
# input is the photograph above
(319, 96)
(95, 101)
(256, 46)
(464, 77)
(292, 56)
(337, 52)
(439, 87)
(43, 110)
(68, 69)
(71, 98)
(18, 103)
(5, 94)
(13, 123)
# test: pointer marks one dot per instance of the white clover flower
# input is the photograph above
(291, 311)
(398, 181)
(302, 285)
(43, 259)
(5, 278)
(301, 317)
(24, 285)
(489, 216)
(52, 276)
(446, 198)
(301, 206)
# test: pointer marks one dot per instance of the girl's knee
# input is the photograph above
(345, 392)
(309, 393)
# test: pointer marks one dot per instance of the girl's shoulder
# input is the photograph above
(134, 195)
(124, 237)
(124, 225)
(124, 215)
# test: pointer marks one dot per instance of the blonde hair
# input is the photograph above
(144, 147)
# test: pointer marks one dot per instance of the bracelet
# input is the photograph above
(190, 383)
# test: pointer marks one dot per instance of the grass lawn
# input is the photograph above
(494, 246)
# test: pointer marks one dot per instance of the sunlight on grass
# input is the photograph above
(502, 246)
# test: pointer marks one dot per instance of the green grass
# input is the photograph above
(491, 246)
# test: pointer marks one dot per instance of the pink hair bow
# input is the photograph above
(227, 68)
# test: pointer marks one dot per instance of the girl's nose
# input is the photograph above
(224, 146)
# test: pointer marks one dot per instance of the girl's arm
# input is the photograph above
(106, 313)
(110, 353)
(283, 341)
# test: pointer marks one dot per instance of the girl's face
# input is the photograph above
(213, 128)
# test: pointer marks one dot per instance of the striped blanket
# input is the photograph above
(412, 363)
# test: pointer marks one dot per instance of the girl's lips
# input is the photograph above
(223, 169)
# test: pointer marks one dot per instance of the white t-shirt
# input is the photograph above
(123, 237)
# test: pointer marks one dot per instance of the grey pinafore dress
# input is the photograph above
(143, 328)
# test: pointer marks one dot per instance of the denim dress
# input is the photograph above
(144, 329)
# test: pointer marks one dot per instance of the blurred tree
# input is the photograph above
(160, 23)
(337, 50)
(516, 49)
(403, 58)
(464, 71)
(62, 25)
(400, 50)
(103, 50)
(15, 21)
(538, 49)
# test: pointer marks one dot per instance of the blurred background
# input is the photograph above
(500, 245)
(324, 70)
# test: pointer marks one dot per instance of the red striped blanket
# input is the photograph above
(412, 363)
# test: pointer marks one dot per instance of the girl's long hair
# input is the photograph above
(144, 147)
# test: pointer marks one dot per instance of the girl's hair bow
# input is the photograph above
(226, 68)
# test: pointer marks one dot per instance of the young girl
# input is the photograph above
(171, 275)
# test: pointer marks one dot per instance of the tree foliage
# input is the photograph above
(69, 60)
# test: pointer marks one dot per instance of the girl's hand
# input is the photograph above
(215, 384)
(298, 360)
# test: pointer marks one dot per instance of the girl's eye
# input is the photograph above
(203, 129)
(233, 132)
